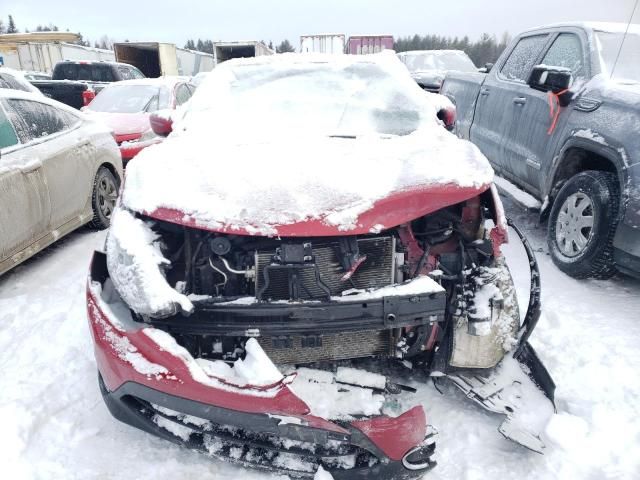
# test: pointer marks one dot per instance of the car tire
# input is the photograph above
(103, 198)
(582, 224)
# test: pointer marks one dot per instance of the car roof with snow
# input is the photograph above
(167, 81)
(612, 27)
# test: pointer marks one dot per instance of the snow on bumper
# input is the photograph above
(140, 368)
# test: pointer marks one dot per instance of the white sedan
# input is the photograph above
(59, 170)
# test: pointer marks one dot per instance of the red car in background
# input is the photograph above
(126, 106)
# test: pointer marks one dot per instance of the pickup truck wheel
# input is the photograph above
(103, 199)
(582, 224)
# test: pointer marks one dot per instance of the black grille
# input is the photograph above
(375, 272)
(297, 349)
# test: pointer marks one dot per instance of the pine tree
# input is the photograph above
(2, 27)
(285, 47)
(12, 25)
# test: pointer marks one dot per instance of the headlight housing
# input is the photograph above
(135, 263)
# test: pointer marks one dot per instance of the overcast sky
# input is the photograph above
(176, 21)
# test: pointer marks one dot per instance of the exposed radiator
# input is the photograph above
(341, 346)
(377, 271)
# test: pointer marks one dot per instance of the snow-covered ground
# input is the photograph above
(55, 425)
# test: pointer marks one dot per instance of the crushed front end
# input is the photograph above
(247, 347)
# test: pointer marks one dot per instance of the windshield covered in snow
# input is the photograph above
(439, 60)
(338, 97)
(627, 69)
(131, 99)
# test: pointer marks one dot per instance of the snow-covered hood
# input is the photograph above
(429, 77)
(305, 186)
(123, 123)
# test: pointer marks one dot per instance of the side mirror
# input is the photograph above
(161, 122)
(488, 67)
(550, 79)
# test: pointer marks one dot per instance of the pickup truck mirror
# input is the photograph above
(487, 68)
(550, 79)
(161, 122)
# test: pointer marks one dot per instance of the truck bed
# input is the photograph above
(463, 89)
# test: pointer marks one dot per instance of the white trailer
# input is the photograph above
(227, 50)
(333, 43)
(156, 59)
(40, 51)
(191, 62)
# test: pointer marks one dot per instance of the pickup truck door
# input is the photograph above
(492, 124)
(24, 198)
(532, 141)
(65, 154)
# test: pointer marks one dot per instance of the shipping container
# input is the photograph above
(323, 43)
(364, 44)
(223, 51)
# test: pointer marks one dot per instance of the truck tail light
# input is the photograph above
(87, 96)
(448, 117)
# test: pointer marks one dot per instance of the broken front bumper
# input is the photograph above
(154, 387)
(520, 387)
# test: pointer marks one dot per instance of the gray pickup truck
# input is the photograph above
(559, 116)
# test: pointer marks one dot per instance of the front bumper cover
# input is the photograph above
(140, 380)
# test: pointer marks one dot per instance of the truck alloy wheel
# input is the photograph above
(582, 223)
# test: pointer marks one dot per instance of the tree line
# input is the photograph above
(206, 46)
(486, 49)
(104, 42)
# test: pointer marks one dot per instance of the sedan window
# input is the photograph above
(523, 57)
(34, 120)
(182, 94)
(8, 136)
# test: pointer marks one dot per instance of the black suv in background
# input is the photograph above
(75, 83)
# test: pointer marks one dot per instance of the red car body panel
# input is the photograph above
(412, 424)
(127, 127)
(396, 209)
(394, 436)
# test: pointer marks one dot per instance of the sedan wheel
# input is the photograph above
(105, 194)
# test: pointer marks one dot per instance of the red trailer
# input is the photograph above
(363, 44)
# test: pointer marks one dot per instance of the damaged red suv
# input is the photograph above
(308, 227)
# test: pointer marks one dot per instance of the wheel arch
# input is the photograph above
(581, 154)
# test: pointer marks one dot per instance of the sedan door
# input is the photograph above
(24, 198)
(66, 155)
(492, 126)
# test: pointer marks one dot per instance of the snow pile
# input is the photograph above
(268, 142)
(517, 194)
(420, 285)
(322, 474)
(134, 261)
(255, 369)
(331, 400)
(362, 378)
